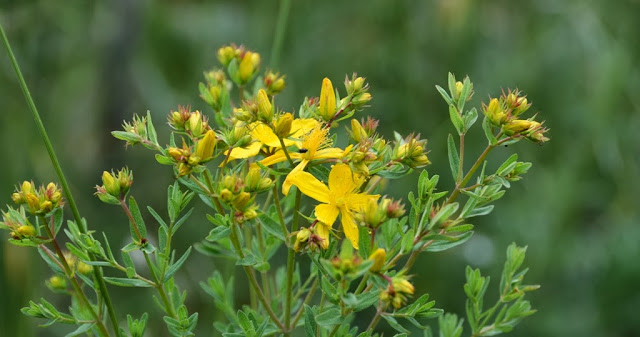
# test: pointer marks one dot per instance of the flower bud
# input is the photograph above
(57, 282)
(226, 195)
(265, 109)
(361, 99)
(301, 239)
(274, 83)
(26, 230)
(248, 66)
(379, 257)
(184, 169)
(205, 146)
(196, 124)
(327, 105)
(252, 179)
(520, 125)
(226, 54)
(265, 184)
(125, 178)
(111, 184)
(282, 127)
(84, 268)
(393, 208)
(358, 134)
(17, 198)
(458, 92)
(241, 200)
(27, 188)
(250, 214)
(494, 112)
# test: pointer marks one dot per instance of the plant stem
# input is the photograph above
(291, 264)
(97, 271)
(375, 319)
(461, 167)
(278, 37)
(158, 284)
(74, 282)
(252, 278)
(286, 152)
(276, 200)
(306, 301)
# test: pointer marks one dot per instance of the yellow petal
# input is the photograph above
(302, 126)
(286, 185)
(278, 157)
(322, 230)
(332, 152)
(349, 227)
(327, 213)
(310, 186)
(357, 202)
(341, 180)
(244, 152)
(264, 134)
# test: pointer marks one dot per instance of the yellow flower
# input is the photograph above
(263, 135)
(313, 147)
(340, 197)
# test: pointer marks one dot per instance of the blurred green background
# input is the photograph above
(91, 64)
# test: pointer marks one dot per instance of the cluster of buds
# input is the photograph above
(212, 91)
(186, 159)
(39, 201)
(357, 89)
(397, 291)
(138, 126)
(504, 112)
(76, 265)
(237, 192)
(312, 238)
(376, 213)
(16, 221)
(346, 264)
(273, 82)
(194, 123)
(245, 63)
(412, 152)
(115, 186)
(370, 148)
(238, 135)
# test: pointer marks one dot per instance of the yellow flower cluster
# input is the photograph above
(504, 112)
(39, 201)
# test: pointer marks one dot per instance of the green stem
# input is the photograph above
(158, 284)
(286, 152)
(375, 320)
(307, 299)
(278, 37)
(252, 278)
(74, 282)
(461, 167)
(97, 271)
(276, 200)
(291, 264)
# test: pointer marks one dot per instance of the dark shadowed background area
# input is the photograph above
(91, 64)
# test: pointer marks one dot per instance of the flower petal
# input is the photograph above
(278, 157)
(358, 201)
(341, 180)
(322, 230)
(327, 213)
(310, 186)
(244, 152)
(349, 227)
(286, 185)
(332, 152)
(302, 126)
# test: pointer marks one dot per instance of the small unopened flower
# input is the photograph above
(255, 182)
(361, 99)
(397, 292)
(358, 133)
(273, 82)
(111, 184)
(372, 214)
(327, 105)
(282, 127)
(206, 146)
(177, 119)
(520, 125)
(197, 124)
(393, 208)
(379, 257)
(355, 85)
(57, 282)
(412, 152)
(516, 103)
(26, 230)
(226, 54)
(495, 112)
(265, 109)
(302, 237)
(248, 66)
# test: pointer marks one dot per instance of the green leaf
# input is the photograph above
(443, 215)
(174, 267)
(470, 118)
(218, 234)
(444, 95)
(329, 318)
(310, 325)
(365, 242)
(456, 119)
(488, 132)
(394, 323)
(454, 159)
(80, 330)
(453, 241)
(126, 136)
(137, 217)
(507, 166)
(126, 282)
(151, 130)
(467, 86)
(271, 226)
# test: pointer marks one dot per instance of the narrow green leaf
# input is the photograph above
(174, 267)
(137, 217)
(444, 95)
(310, 325)
(329, 318)
(271, 226)
(454, 159)
(456, 119)
(126, 282)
